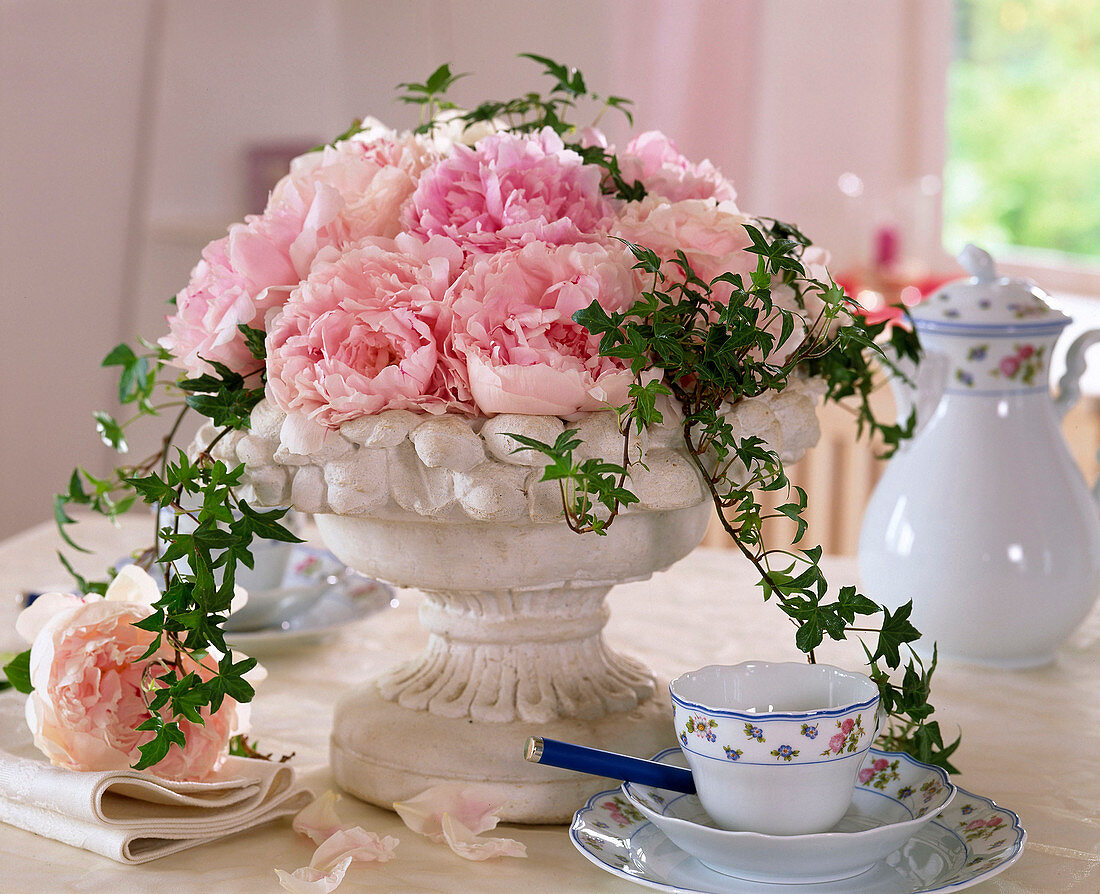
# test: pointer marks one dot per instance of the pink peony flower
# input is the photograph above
(87, 672)
(347, 192)
(866, 775)
(240, 277)
(336, 196)
(1010, 366)
(514, 342)
(712, 236)
(836, 743)
(359, 335)
(510, 190)
(846, 727)
(652, 158)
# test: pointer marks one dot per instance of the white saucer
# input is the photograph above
(894, 797)
(969, 842)
(350, 598)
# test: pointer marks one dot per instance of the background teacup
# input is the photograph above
(775, 747)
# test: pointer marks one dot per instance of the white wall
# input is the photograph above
(125, 123)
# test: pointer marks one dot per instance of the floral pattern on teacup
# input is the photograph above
(754, 732)
(785, 753)
(847, 740)
(701, 726)
(732, 754)
(809, 730)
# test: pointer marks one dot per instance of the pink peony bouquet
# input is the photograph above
(413, 271)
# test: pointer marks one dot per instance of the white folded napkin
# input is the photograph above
(129, 816)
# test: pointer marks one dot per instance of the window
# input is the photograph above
(1022, 175)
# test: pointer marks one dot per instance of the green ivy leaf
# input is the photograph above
(18, 672)
(110, 432)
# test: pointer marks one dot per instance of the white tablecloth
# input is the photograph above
(1031, 739)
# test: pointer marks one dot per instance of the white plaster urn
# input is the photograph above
(514, 605)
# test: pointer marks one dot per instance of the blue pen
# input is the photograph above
(606, 763)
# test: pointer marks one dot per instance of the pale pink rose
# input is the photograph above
(653, 159)
(87, 672)
(509, 190)
(866, 775)
(846, 727)
(836, 743)
(513, 337)
(335, 196)
(359, 335)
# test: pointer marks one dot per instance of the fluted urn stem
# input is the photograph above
(534, 655)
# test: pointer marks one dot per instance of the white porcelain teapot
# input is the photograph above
(984, 519)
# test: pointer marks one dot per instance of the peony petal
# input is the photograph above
(319, 820)
(355, 843)
(312, 881)
(469, 846)
(424, 813)
(39, 613)
(133, 584)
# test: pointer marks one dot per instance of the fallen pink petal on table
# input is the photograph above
(424, 813)
(339, 847)
(357, 843)
(473, 847)
(319, 820)
(313, 881)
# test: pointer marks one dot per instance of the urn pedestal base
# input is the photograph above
(383, 752)
(515, 615)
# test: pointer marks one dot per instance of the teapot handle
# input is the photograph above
(1069, 386)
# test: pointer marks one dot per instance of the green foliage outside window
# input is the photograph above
(1023, 165)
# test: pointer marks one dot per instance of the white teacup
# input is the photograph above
(775, 747)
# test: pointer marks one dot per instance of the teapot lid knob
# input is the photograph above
(978, 263)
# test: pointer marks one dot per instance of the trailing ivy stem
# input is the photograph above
(761, 566)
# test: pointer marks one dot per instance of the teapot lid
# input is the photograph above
(985, 301)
